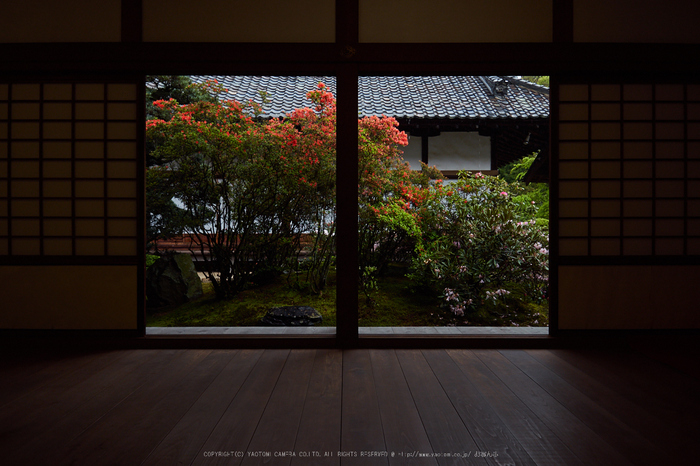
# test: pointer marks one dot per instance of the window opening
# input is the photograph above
(453, 200)
(241, 194)
(453, 204)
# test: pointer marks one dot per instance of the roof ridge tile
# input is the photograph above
(457, 97)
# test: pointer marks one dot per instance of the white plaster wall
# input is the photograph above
(460, 151)
(412, 152)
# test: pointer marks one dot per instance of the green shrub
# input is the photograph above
(536, 193)
(150, 259)
(481, 249)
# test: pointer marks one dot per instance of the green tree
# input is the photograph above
(391, 196)
(534, 193)
(180, 88)
(164, 219)
(541, 80)
(254, 188)
(250, 188)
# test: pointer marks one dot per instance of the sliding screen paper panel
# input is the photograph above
(68, 195)
(412, 21)
(629, 170)
(60, 297)
(65, 21)
(629, 193)
(68, 170)
(226, 21)
(640, 21)
(629, 297)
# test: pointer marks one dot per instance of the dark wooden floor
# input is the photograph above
(414, 407)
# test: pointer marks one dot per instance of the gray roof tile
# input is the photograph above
(444, 97)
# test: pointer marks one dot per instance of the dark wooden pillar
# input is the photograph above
(347, 17)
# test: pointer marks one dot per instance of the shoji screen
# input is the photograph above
(238, 21)
(70, 238)
(628, 173)
(68, 21)
(444, 21)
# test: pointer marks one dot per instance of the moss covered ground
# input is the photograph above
(393, 304)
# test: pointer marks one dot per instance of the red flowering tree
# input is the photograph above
(164, 218)
(253, 188)
(310, 141)
(250, 187)
(391, 197)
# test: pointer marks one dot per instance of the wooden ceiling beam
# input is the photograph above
(625, 60)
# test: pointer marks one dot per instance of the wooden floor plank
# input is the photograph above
(404, 432)
(644, 389)
(544, 407)
(617, 434)
(21, 379)
(541, 444)
(319, 429)
(586, 444)
(184, 442)
(667, 435)
(38, 408)
(490, 433)
(160, 417)
(277, 431)
(451, 441)
(100, 445)
(237, 425)
(84, 405)
(671, 407)
(361, 421)
(645, 377)
(681, 353)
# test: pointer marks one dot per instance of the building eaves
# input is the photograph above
(425, 97)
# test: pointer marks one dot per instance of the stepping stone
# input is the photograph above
(292, 316)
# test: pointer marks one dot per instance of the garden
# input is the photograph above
(256, 196)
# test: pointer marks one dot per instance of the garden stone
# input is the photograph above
(172, 280)
(292, 316)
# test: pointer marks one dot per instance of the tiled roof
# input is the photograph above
(451, 97)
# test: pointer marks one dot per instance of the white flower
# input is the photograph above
(495, 294)
(450, 295)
